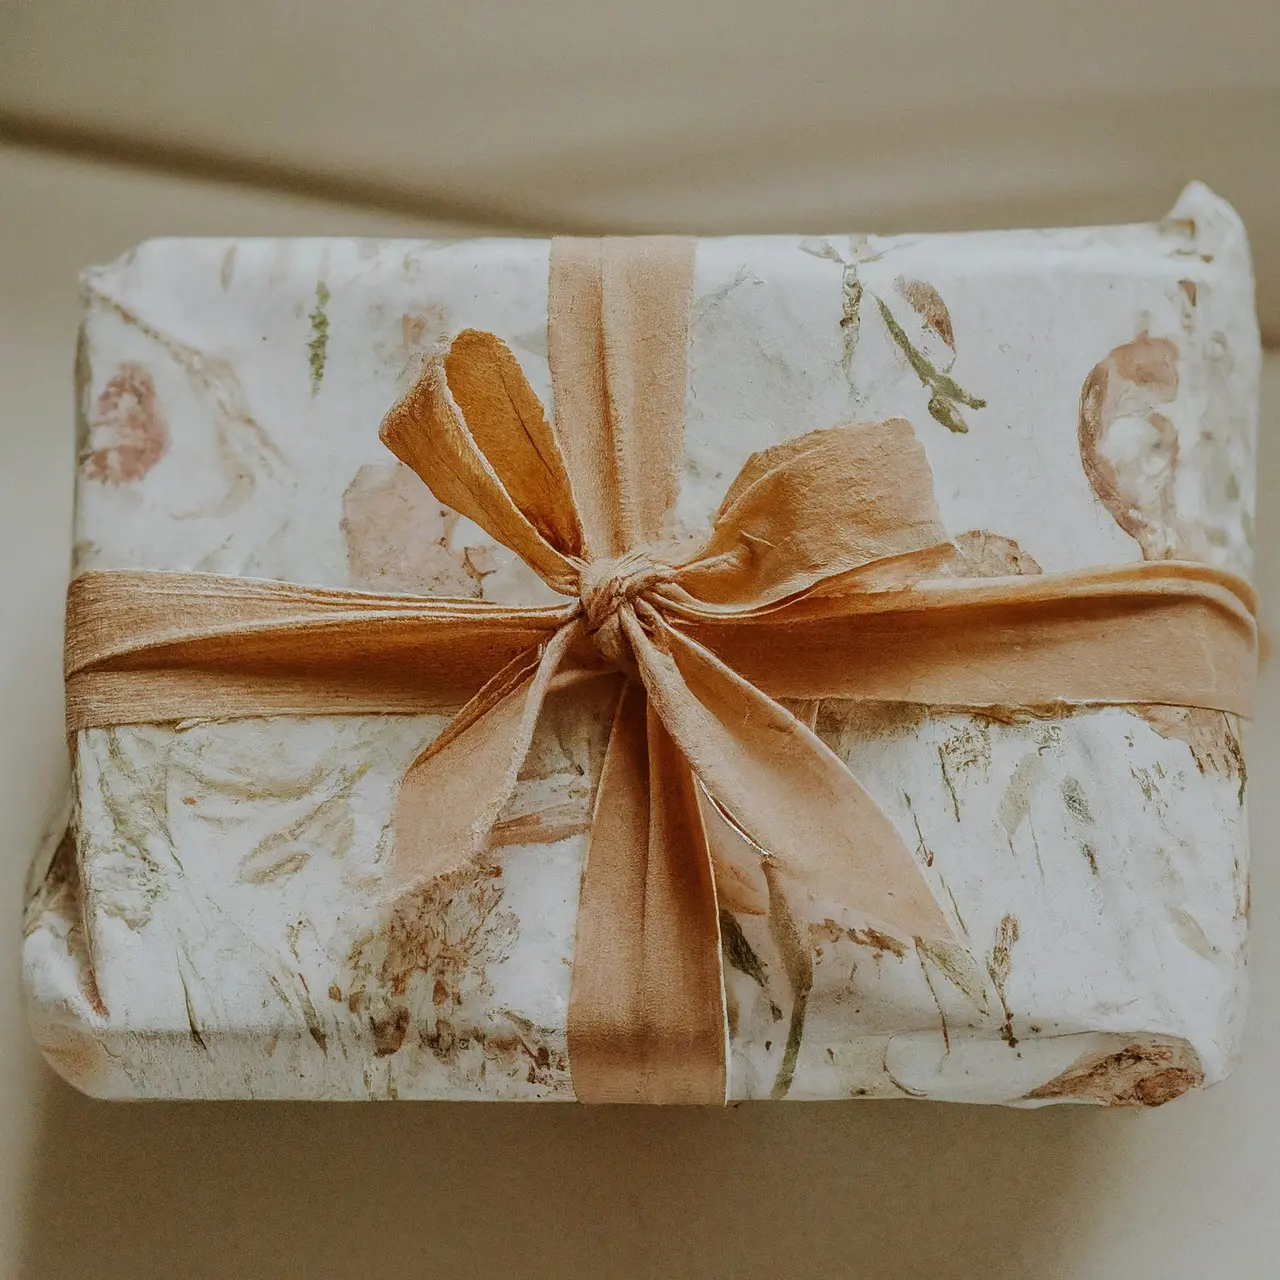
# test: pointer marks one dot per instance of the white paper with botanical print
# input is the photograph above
(210, 928)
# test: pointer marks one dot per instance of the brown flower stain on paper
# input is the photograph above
(927, 303)
(999, 966)
(328, 825)
(1077, 805)
(299, 1003)
(1210, 735)
(526, 1050)
(396, 535)
(544, 826)
(415, 334)
(965, 750)
(1139, 1075)
(981, 554)
(879, 943)
(246, 453)
(420, 979)
(128, 434)
(448, 931)
(1129, 449)
(418, 334)
(840, 719)
(389, 1030)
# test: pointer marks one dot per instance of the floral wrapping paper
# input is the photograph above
(204, 922)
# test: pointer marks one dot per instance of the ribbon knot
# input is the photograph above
(824, 547)
(608, 587)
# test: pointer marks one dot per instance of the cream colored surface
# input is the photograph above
(896, 1190)
(724, 115)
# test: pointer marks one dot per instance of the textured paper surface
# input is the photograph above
(216, 934)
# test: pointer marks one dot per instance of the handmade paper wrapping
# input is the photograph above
(210, 925)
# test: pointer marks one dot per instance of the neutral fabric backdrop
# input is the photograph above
(869, 118)
(692, 115)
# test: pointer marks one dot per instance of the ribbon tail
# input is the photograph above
(455, 791)
(742, 883)
(647, 1014)
(738, 866)
(784, 789)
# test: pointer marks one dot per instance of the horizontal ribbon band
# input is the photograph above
(143, 651)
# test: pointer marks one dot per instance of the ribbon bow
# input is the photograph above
(819, 578)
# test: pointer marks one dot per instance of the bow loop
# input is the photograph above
(815, 513)
(617, 333)
(475, 432)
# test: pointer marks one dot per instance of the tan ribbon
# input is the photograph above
(819, 579)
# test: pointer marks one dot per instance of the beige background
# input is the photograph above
(719, 115)
(693, 115)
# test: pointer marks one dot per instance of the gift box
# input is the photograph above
(759, 667)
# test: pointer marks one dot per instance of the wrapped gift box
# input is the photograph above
(208, 925)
